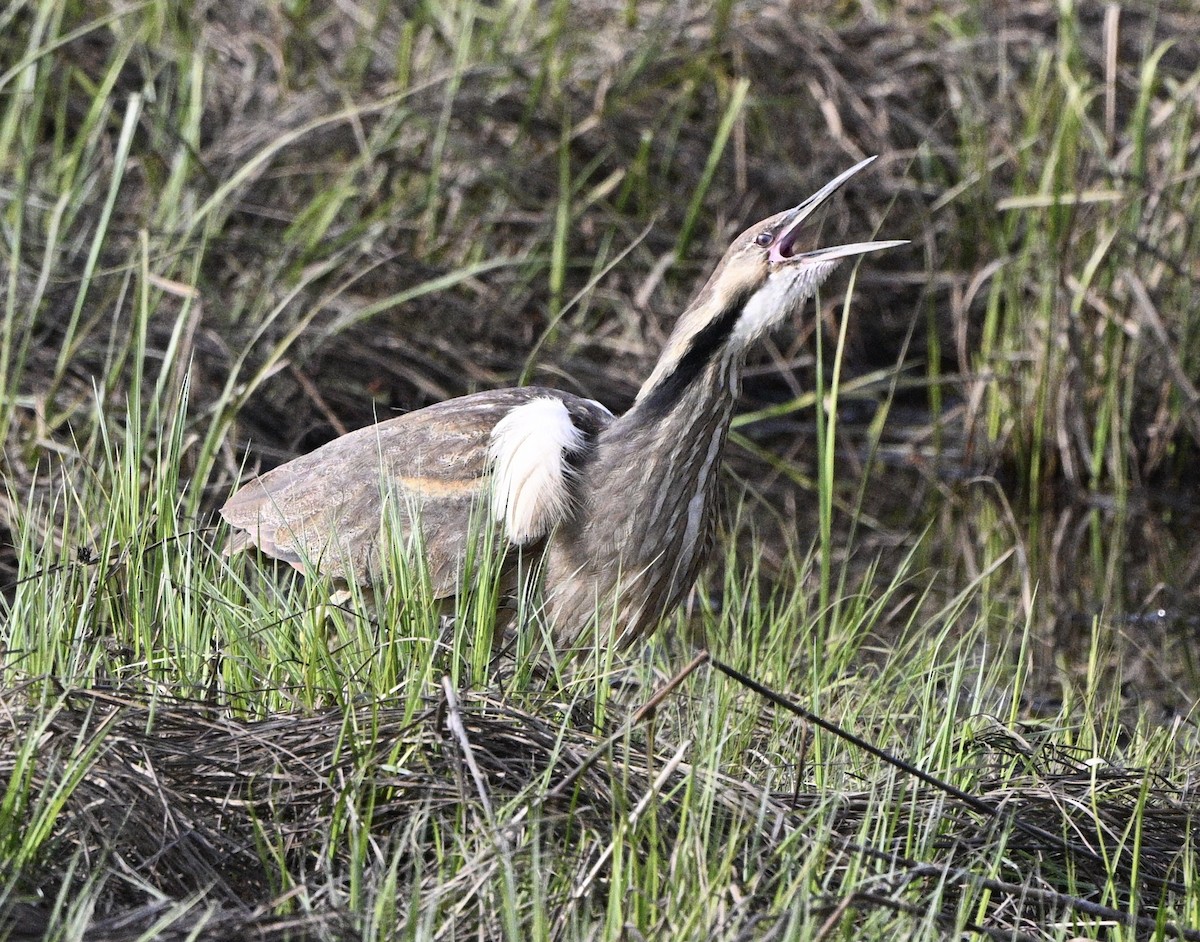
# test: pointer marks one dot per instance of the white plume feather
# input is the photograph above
(530, 472)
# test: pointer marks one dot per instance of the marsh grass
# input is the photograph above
(264, 225)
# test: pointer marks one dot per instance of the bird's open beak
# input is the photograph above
(784, 248)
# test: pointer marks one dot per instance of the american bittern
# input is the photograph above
(622, 507)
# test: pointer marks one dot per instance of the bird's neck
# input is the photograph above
(695, 386)
(701, 343)
(657, 471)
(683, 418)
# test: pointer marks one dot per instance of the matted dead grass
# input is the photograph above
(176, 805)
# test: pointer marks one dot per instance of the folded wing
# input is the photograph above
(510, 453)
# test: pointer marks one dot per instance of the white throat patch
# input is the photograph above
(784, 291)
(530, 473)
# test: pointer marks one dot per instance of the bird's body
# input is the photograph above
(327, 508)
(622, 507)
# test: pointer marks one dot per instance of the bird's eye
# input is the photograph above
(764, 239)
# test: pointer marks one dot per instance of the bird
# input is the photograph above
(618, 511)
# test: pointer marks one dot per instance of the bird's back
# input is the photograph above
(330, 509)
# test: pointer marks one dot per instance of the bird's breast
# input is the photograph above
(636, 547)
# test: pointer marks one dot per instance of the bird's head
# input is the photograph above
(766, 274)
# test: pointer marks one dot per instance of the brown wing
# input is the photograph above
(326, 508)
